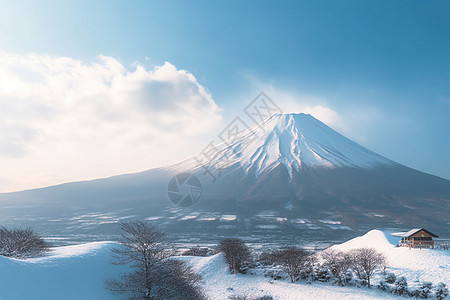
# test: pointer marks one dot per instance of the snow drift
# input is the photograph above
(70, 272)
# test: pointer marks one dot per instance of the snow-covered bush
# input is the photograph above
(401, 287)
(422, 292)
(322, 273)
(415, 293)
(275, 274)
(348, 278)
(308, 273)
(425, 289)
(21, 243)
(384, 286)
(362, 283)
(390, 278)
(441, 291)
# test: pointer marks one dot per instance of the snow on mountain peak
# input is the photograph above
(295, 141)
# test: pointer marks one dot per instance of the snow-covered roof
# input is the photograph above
(412, 232)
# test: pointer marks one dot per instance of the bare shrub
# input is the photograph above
(365, 261)
(237, 254)
(401, 287)
(338, 263)
(155, 275)
(390, 278)
(21, 243)
(292, 260)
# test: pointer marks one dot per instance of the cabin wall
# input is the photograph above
(421, 239)
(421, 243)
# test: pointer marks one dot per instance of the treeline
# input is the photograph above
(298, 263)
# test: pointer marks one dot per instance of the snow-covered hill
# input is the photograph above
(417, 265)
(70, 272)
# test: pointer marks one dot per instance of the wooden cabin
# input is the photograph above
(417, 238)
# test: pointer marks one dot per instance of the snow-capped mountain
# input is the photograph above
(291, 174)
(294, 141)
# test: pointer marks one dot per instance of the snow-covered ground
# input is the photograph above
(69, 272)
(78, 272)
(220, 284)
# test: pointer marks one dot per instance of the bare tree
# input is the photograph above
(237, 254)
(179, 282)
(21, 243)
(293, 260)
(338, 263)
(365, 261)
(155, 274)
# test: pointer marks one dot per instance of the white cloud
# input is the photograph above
(62, 119)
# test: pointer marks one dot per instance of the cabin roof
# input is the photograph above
(414, 231)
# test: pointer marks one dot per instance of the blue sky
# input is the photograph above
(383, 67)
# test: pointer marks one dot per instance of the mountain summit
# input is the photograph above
(296, 141)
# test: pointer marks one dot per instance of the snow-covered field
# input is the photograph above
(78, 272)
